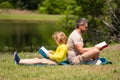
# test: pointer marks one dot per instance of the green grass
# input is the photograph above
(30, 17)
(10, 71)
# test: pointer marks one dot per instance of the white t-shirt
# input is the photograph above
(74, 38)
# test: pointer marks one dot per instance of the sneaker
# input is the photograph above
(16, 58)
(105, 61)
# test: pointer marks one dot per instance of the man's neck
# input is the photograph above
(79, 31)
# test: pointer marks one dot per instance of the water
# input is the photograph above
(27, 35)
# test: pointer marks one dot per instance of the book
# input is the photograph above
(102, 45)
(43, 51)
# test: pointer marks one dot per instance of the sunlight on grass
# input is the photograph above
(30, 17)
(10, 71)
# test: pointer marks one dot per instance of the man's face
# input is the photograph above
(83, 28)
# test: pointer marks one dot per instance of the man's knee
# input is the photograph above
(76, 60)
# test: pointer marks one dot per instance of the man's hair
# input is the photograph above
(81, 22)
(59, 37)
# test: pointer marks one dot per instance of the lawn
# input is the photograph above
(10, 71)
(29, 17)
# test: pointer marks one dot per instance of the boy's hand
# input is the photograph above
(50, 51)
(48, 54)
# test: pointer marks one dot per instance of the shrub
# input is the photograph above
(42, 10)
(6, 5)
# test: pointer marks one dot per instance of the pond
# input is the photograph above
(27, 36)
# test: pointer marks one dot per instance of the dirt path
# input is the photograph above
(116, 46)
(15, 11)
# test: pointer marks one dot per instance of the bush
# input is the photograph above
(58, 7)
(42, 10)
(6, 5)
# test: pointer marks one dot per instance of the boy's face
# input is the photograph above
(56, 41)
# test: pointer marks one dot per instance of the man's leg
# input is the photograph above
(87, 56)
(90, 55)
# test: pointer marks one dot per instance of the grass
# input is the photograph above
(30, 17)
(10, 71)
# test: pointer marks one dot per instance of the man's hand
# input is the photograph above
(100, 48)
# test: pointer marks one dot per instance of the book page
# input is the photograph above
(44, 49)
(102, 45)
(44, 52)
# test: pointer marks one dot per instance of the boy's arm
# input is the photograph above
(60, 53)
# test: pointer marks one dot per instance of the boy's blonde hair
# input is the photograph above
(59, 37)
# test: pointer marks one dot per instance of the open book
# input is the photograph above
(43, 51)
(102, 45)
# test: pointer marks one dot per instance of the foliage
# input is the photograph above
(32, 4)
(96, 12)
(24, 4)
(112, 20)
(42, 9)
(93, 10)
(6, 5)
(68, 23)
(58, 6)
(103, 15)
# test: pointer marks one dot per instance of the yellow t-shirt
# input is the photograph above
(60, 54)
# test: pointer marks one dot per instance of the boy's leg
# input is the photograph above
(16, 58)
(47, 61)
(37, 61)
(29, 61)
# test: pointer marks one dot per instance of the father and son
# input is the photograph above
(72, 50)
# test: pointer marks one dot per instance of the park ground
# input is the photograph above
(10, 71)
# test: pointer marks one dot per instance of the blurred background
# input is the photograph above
(26, 25)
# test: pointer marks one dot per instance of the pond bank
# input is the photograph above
(25, 15)
(30, 17)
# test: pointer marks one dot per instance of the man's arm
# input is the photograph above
(81, 50)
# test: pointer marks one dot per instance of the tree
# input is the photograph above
(57, 6)
(93, 11)
(24, 4)
(112, 20)
(5, 5)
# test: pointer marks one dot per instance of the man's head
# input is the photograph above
(82, 24)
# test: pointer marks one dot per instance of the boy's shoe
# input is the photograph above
(16, 58)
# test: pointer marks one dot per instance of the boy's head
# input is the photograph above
(59, 37)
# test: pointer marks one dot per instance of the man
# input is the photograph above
(76, 52)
